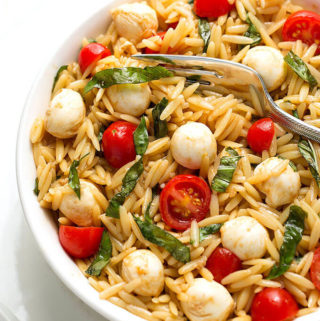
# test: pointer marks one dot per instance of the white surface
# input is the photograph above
(29, 31)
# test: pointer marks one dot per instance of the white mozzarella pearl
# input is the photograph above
(245, 237)
(80, 211)
(281, 189)
(135, 21)
(269, 63)
(65, 114)
(190, 142)
(207, 301)
(146, 266)
(130, 99)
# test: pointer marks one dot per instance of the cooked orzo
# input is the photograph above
(178, 203)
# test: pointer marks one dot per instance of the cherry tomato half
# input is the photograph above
(185, 198)
(80, 242)
(91, 53)
(212, 8)
(149, 51)
(260, 135)
(273, 304)
(222, 262)
(315, 269)
(118, 145)
(303, 25)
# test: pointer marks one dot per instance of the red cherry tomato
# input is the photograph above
(260, 135)
(303, 25)
(315, 269)
(222, 262)
(118, 145)
(80, 242)
(149, 51)
(185, 198)
(273, 304)
(91, 53)
(212, 8)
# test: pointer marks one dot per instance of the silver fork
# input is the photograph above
(224, 76)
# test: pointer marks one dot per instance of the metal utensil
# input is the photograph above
(224, 76)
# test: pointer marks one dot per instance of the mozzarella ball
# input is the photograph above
(207, 301)
(190, 142)
(281, 189)
(130, 99)
(80, 211)
(135, 21)
(65, 114)
(245, 237)
(146, 266)
(269, 63)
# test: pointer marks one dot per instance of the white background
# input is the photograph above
(29, 33)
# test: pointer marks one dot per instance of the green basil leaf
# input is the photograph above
(291, 164)
(191, 2)
(300, 68)
(102, 257)
(60, 70)
(194, 78)
(36, 186)
(159, 126)
(128, 184)
(160, 237)
(294, 228)
(252, 33)
(92, 40)
(73, 178)
(127, 75)
(295, 113)
(100, 134)
(307, 151)
(228, 165)
(204, 32)
(208, 230)
(141, 138)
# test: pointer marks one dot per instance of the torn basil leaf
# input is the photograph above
(295, 113)
(73, 178)
(204, 32)
(36, 186)
(309, 154)
(60, 70)
(160, 237)
(128, 184)
(252, 33)
(194, 78)
(159, 126)
(294, 228)
(155, 191)
(102, 257)
(300, 68)
(100, 134)
(92, 40)
(228, 165)
(191, 2)
(126, 75)
(204, 232)
(141, 138)
(291, 164)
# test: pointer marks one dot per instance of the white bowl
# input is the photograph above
(40, 221)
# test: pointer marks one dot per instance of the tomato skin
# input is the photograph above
(185, 198)
(80, 242)
(212, 8)
(91, 53)
(149, 51)
(303, 25)
(118, 145)
(315, 269)
(222, 262)
(260, 135)
(273, 304)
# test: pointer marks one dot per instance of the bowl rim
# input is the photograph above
(103, 307)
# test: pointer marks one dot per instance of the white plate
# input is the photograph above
(40, 221)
